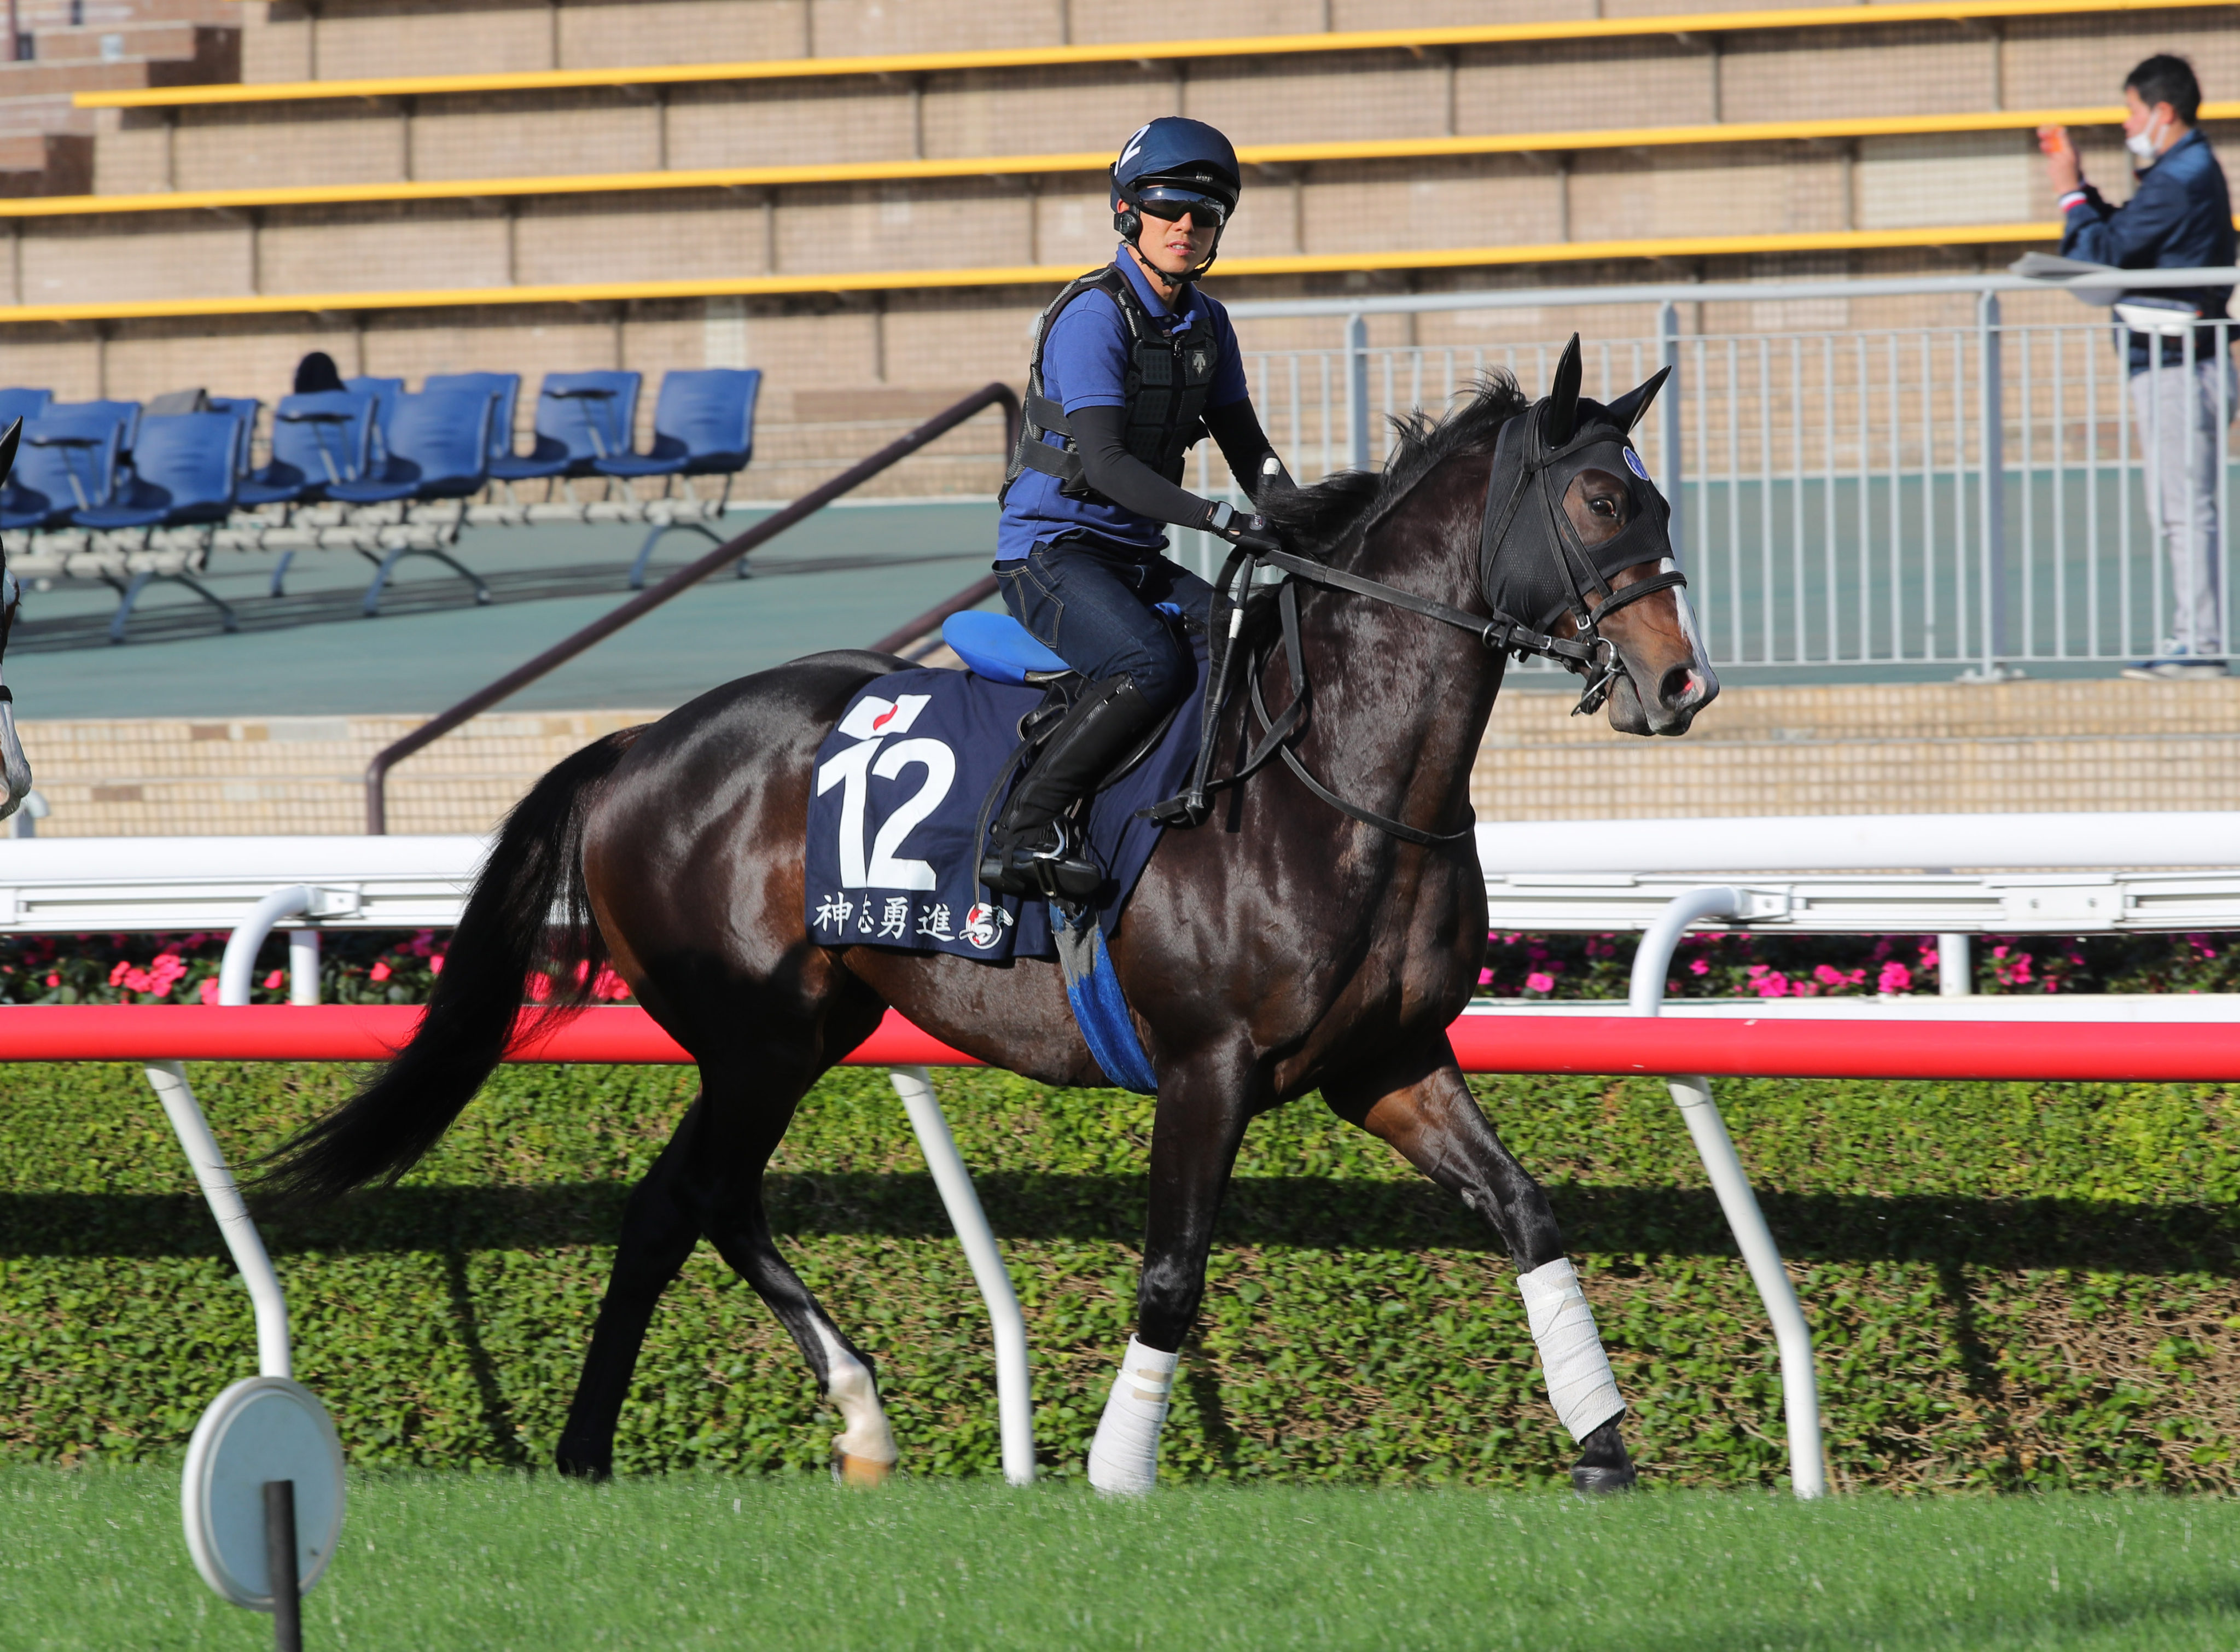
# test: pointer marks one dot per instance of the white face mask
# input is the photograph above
(2142, 144)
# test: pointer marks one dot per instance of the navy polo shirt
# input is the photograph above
(1085, 364)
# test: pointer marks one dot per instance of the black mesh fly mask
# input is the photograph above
(1533, 566)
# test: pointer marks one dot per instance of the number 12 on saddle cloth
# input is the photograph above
(894, 814)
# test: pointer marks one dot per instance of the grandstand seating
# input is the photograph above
(319, 438)
(67, 462)
(581, 418)
(437, 448)
(1054, 55)
(664, 185)
(23, 404)
(184, 474)
(502, 389)
(330, 483)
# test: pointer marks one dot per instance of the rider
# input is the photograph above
(1131, 365)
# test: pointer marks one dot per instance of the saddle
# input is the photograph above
(998, 647)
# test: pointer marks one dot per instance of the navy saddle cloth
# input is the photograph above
(892, 857)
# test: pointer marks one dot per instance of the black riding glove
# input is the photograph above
(1254, 534)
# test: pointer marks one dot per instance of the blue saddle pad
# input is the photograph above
(891, 856)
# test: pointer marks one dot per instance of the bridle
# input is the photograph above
(1588, 653)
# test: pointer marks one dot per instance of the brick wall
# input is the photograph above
(815, 349)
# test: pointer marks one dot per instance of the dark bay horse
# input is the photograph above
(1280, 947)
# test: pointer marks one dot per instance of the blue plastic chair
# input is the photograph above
(581, 418)
(68, 461)
(23, 404)
(318, 439)
(384, 392)
(184, 473)
(242, 409)
(703, 425)
(438, 449)
(127, 414)
(505, 388)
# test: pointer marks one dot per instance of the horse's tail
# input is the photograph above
(528, 909)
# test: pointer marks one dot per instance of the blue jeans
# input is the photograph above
(1093, 608)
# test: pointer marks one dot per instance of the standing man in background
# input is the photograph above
(2179, 218)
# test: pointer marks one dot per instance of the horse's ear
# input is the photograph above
(1563, 397)
(1626, 411)
(7, 448)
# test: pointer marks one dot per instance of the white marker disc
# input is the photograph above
(263, 1428)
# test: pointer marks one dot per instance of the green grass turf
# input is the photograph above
(94, 1558)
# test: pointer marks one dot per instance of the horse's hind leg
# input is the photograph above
(1426, 1112)
(725, 1185)
(658, 1233)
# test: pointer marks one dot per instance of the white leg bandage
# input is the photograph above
(848, 1384)
(1124, 1457)
(1580, 1385)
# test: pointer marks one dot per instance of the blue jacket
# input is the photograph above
(2179, 218)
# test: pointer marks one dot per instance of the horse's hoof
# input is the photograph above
(583, 1468)
(1604, 1465)
(1595, 1480)
(859, 1471)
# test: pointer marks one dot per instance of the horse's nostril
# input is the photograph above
(1677, 687)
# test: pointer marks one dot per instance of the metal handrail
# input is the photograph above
(376, 772)
(1701, 292)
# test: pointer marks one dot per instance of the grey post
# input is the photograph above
(1668, 425)
(1357, 387)
(1992, 422)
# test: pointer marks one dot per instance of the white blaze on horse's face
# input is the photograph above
(1705, 687)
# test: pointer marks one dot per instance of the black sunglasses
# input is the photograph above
(1167, 205)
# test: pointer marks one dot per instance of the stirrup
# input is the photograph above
(1055, 870)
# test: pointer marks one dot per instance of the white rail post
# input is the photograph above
(1956, 975)
(1800, 1388)
(170, 1080)
(1015, 1404)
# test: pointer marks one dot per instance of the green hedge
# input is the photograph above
(2011, 1285)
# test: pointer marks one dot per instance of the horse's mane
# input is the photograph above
(1348, 503)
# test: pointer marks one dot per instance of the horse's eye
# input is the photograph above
(1605, 507)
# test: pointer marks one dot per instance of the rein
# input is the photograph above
(1590, 654)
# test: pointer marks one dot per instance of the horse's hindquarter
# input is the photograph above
(692, 857)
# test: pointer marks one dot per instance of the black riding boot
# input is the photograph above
(1029, 853)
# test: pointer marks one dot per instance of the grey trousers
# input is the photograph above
(2178, 412)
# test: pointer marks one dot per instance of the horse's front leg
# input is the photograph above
(1204, 1104)
(1424, 1109)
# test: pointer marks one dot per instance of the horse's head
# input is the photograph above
(15, 767)
(1576, 543)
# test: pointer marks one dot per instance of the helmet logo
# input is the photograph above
(1128, 149)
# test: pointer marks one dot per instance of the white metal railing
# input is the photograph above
(1558, 874)
(1970, 493)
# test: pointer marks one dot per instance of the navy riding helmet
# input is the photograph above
(1171, 165)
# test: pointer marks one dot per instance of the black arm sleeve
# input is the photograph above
(1107, 466)
(1246, 447)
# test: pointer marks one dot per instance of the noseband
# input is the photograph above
(1588, 654)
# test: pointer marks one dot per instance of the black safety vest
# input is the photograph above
(1168, 377)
